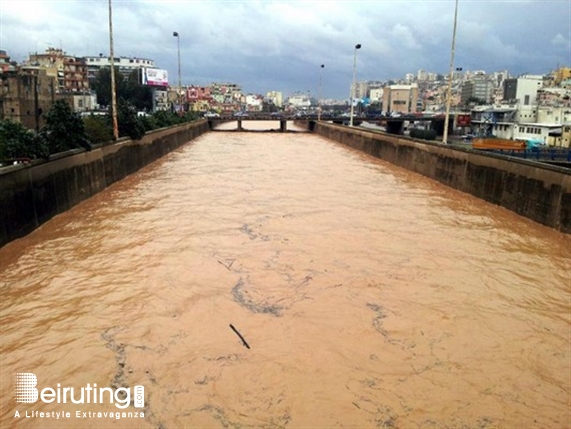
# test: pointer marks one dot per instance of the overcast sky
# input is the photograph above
(279, 45)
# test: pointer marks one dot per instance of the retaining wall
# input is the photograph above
(537, 191)
(30, 194)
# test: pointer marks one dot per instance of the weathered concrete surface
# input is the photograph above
(30, 194)
(537, 191)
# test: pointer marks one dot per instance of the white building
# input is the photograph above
(299, 101)
(276, 98)
(376, 94)
(535, 131)
(125, 65)
(254, 102)
(522, 90)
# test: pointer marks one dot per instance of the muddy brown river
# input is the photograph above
(369, 297)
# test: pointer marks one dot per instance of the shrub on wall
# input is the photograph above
(64, 129)
(16, 141)
(98, 129)
(423, 134)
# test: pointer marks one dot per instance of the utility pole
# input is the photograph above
(449, 92)
(179, 97)
(112, 64)
(357, 46)
(319, 94)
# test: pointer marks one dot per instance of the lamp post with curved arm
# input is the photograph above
(449, 90)
(319, 94)
(113, 84)
(179, 94)
(357, 46)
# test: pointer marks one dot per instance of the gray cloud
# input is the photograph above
(279, 45)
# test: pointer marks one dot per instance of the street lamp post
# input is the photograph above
(357, 46)
(175, 34)
(319, 94)
(449, 92)
(112, 65)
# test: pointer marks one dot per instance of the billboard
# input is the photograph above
(463, 120)
(155, 77)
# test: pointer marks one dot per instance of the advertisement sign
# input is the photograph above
(155, 77)
(463, 120)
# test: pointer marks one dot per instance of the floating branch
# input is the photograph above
(240, 335)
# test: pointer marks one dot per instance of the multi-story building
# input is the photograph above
(401, 98)
(554, 97)
(193, 94)
(70, 71)
(360, 90)
(299, 101)
(565, 139)
(562, 74)
(478, 88)
(5, 64)
(125, 65)
(254, 102)
(26, 95)
(226, 93)
(522, 90)
(376, 94)
(276, 98)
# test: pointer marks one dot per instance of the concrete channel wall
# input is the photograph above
(537, 191)
(31, 194)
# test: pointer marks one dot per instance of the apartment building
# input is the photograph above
(125, 65)
(5, 64)
(400, 98)
(276, 98)
(479, 88)
(26, 95)
(70, 71)
(522, 90)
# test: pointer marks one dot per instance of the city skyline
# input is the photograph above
(280, 46)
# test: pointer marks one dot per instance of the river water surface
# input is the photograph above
(369, 296)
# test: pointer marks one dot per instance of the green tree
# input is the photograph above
(423, 134)
(98, 129)
(139, 95)
(130, 89)
(129, 123)
(16, 141)
(64, 129)
(102, 85)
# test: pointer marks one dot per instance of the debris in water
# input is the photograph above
(240, 335)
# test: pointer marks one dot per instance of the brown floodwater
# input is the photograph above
(369, 297)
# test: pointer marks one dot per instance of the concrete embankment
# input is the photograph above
(537, 191)
(31, 194)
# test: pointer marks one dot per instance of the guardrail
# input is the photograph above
(543, 154)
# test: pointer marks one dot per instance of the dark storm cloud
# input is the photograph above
(268, 45)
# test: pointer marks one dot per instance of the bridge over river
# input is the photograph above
(392, 124)
(369, 296)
